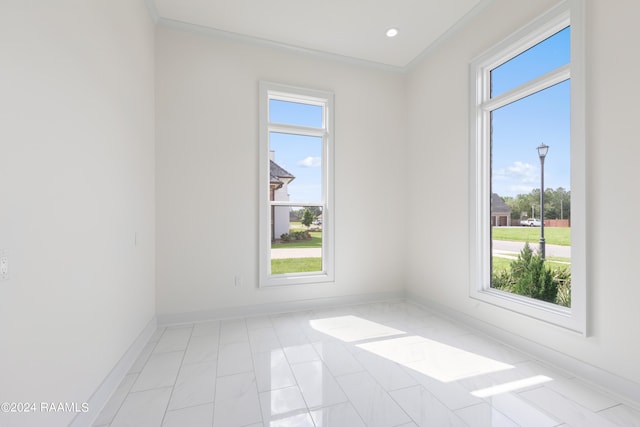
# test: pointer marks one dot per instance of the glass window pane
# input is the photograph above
(296, 239)
(517, 130)
(546, 56)
(295, 113)
(296, 167)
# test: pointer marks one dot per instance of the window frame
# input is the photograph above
(568, 13)
(325, 99)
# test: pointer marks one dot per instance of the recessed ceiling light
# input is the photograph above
(392, 32)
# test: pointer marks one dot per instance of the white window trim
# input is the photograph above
(296, 94)
(570, 12)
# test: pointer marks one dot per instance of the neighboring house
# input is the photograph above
(279, 180)
(500, 212)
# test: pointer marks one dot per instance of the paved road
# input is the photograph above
(507, 248)
(500, 248)
(296, 253)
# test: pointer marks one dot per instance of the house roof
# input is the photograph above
(498, 205)
(277, 172)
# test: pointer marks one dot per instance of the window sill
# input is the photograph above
(553, 314)
(296, 279)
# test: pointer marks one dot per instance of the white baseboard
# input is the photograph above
(274, 308)
(628, 391)
(109, 385)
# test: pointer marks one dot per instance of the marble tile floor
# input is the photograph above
(379, 364)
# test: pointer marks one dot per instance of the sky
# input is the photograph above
(299, 155)
(517, 129)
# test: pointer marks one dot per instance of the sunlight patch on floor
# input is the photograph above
(352, 328)
(511, 386)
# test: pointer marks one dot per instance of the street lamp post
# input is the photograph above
(542, 152)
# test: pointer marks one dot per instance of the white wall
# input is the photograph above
(207, 163)
(76, 184)
(281, 214)
(437, 96)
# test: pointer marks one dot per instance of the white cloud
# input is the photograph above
(521, 173)
(517, 178)
(310, 162)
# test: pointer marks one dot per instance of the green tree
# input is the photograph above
(307, 217)
(557, 204)
(315, 210)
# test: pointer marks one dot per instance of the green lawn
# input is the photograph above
(552, 235)
(295, 265)
(298, 265)
(500, 263)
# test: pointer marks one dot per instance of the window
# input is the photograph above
(528, 94)
(296, 185)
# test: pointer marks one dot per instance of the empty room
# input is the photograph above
(303, 213)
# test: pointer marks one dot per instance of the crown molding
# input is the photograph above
(152, 9)
(444, 37)
(266, 43)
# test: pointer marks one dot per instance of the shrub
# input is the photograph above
(530, 277)
(503, 280)
(301, 235)
(295, 235)
(563, 277)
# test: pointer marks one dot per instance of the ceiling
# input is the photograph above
(348, 28)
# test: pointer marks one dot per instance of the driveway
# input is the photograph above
(509, 248)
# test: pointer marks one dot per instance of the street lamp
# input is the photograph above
(542, 153)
